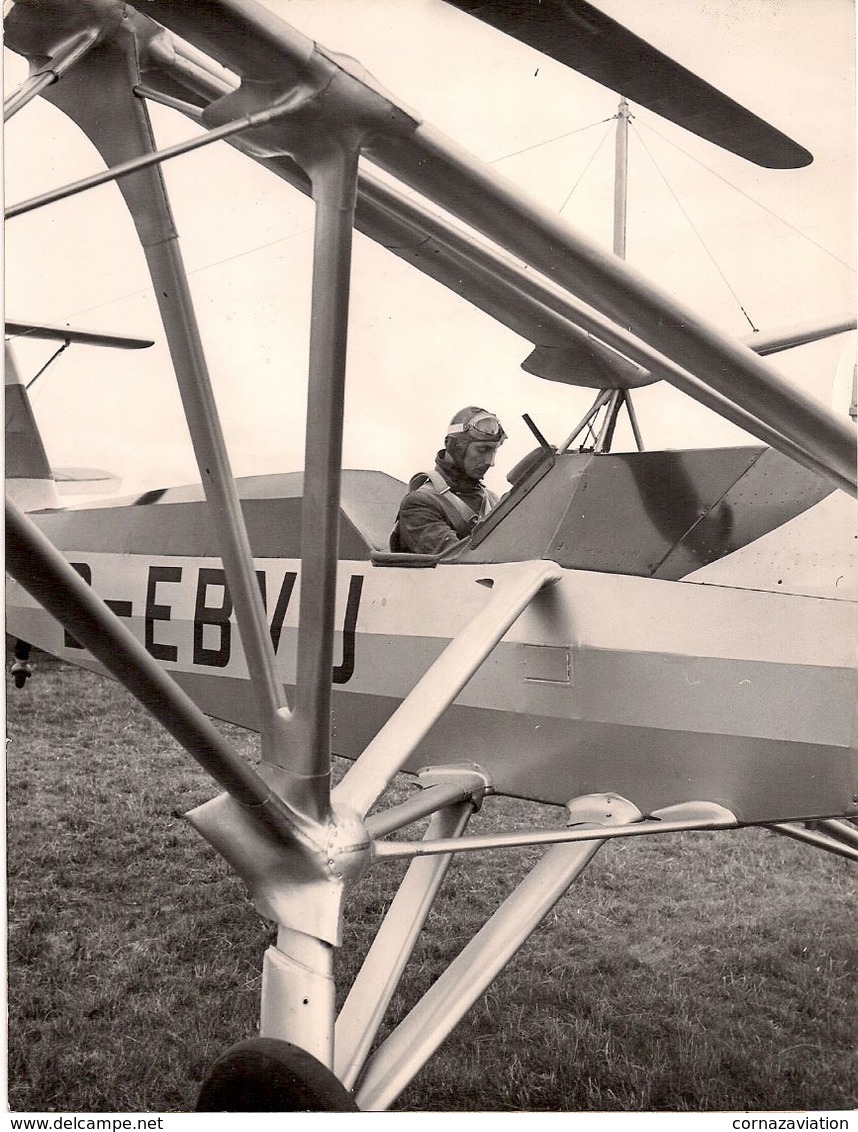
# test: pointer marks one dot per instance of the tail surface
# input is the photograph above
(29, 480)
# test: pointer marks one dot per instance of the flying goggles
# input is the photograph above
(481, 426)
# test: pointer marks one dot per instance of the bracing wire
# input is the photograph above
(587, 166)
(192, 271)
(304, 231)
(283, 239)
(697, 233)
(753, 200)
(549, 141)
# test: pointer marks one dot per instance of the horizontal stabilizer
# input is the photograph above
(89, 481)
(578, 35)
(83, 337)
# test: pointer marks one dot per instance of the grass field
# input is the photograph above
(690, 972)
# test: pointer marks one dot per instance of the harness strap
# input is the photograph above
(456, 508)
(442, 488)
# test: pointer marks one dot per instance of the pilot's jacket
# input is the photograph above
(440, 509)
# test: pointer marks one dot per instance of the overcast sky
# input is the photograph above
(717, 232)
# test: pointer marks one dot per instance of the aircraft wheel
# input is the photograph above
(270, 1075)
(21, 672)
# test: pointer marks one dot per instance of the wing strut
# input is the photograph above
(66, 53)
(388, 752)
(36, 564)
(420, 1033)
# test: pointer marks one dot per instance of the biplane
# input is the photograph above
(582, 649)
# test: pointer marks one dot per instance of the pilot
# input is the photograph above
(443, 506)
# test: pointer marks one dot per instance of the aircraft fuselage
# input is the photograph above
(660, 691)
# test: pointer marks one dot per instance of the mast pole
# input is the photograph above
(616, 398)
(621, 171)
(621, 197)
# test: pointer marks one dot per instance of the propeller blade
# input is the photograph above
(578, 35)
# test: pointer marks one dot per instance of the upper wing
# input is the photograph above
(521, 261)
(580, 36)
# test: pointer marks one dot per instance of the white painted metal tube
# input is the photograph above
(136, 164)
(417, 1037)
(63, 57)
(298, 994)
(840, 831)
(219, 485)
(334, 174)
(820, 840)
(367, 778)
(26, 92)
(393, 850)
(621, 178)
(427, 801)
(601, 399)
(40, 568)
(376, 982)
(126, 134)
(633, 420)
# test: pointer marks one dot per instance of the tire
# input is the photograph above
(270, 1075)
